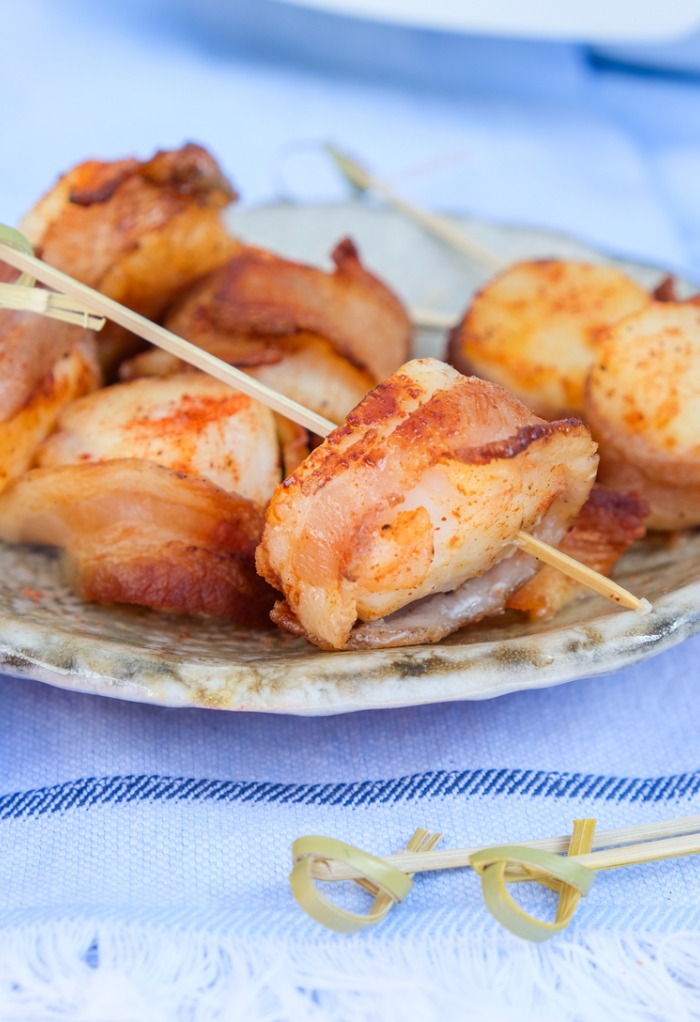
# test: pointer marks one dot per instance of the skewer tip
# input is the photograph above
(582, 573)
(352, 171)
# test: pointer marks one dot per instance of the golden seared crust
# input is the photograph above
(94, 196)
(607, 525)
(536, 327)
(258, 293)
(643, 401)
(140, 533)
(424, 488)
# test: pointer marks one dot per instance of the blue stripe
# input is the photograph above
(103, 791)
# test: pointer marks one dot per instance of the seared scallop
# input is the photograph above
(643, 405)
(536, 329)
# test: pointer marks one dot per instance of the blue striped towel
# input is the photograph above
(145, 854)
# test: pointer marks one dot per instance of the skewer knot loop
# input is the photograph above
(496, 866)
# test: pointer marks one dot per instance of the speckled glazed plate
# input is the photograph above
(48, 635)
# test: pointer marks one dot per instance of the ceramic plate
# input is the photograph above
(48, 635)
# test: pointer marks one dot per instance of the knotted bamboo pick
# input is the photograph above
(456, 237)
(567, 877)
(22, 296)
(456, 858)
(540, 861)
(363, 181)
(15, 253)
(388, 884)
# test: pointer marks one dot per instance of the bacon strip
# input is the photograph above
(420, 493)
(258, 294)
(136, 532)
(136, 231)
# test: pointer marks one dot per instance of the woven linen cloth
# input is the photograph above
(145, 850)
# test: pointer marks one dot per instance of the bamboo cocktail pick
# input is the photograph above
(566, 864)
(386, 883)
(363, 181)
(360, 179)
(16, 251)
(24, 297)
(18, 254)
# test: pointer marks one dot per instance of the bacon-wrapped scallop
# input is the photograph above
(536, 328)
(322, 339)
(402, 526)
(138, 231)
(155, 491)
(136, 532)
